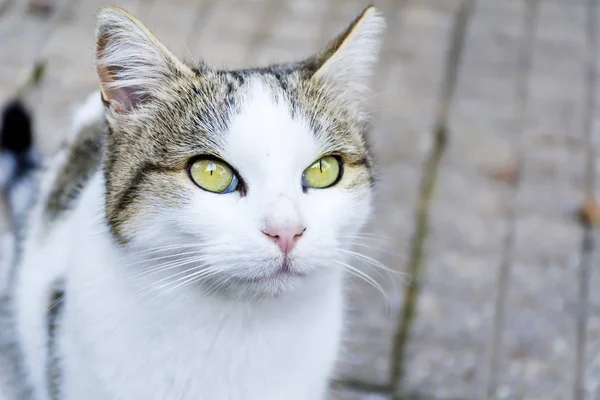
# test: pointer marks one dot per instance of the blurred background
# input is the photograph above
(485, 131)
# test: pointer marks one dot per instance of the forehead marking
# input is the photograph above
(265, 141)
(266, 113)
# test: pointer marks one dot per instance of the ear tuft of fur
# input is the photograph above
(130, 61)
(348, 61)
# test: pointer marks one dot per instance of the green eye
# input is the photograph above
(322, 173)
(213, 175)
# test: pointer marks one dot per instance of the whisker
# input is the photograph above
(168, 265)
(371, 97)
(359, 274)
(56, 302)
(151, 260)
(186, 271)
(165, 288)
(214, 288)
(174, 263)
(163, 248)
(370, 261)
(366, 235)
(192, 278)
(375, 248)
(376, 266)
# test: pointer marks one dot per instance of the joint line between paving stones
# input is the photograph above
(426, 193)
(360, 386)
(587, 243)
(508, 246)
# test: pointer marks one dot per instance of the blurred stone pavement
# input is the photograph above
(486, 135)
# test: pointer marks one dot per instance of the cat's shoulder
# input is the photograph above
(80, 159)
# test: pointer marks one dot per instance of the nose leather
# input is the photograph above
(284, 236)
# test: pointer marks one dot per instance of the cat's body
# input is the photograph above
(199, 345)
(171, 291)
(193, 345)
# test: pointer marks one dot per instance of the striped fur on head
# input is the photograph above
(162, 112)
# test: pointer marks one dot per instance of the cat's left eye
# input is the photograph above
(213, 175)
(323, 173)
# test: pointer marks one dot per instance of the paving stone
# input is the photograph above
(547, 239)
(443, 372)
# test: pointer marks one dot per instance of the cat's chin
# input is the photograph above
(281, 275)
(275, 285)
(282, 280)
(248, 289)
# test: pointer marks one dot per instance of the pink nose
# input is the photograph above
(284, 236)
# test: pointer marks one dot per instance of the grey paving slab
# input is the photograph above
(402, 138)
(444, 372)
(547, 237)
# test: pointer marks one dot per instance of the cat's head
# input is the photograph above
(251, 180)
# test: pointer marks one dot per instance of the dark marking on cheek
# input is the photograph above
(358, 162)
(119, 208)
(131, 193)
(357, 182)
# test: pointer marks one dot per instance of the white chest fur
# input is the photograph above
(188, 345)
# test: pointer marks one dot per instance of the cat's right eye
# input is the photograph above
(323, 173)
(213, 175)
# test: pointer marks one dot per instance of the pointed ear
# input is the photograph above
(132, 65)
(347, 62)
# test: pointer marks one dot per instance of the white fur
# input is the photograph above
(253, 341)
(7, 168)
(89, 113)
(45, 259)
(7, 245)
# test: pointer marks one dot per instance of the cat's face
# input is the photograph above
(249, 181)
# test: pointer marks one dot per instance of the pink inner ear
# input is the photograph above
(126, 97)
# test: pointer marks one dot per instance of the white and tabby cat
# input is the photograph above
(196, 224)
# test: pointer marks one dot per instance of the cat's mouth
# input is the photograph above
(282, 274)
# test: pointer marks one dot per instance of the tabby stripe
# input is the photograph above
(131, 193)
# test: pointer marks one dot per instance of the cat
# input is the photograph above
(191, 237)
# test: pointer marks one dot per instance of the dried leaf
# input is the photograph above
(589, 213)
(42, 8)
(508, 174)
(519, 354)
